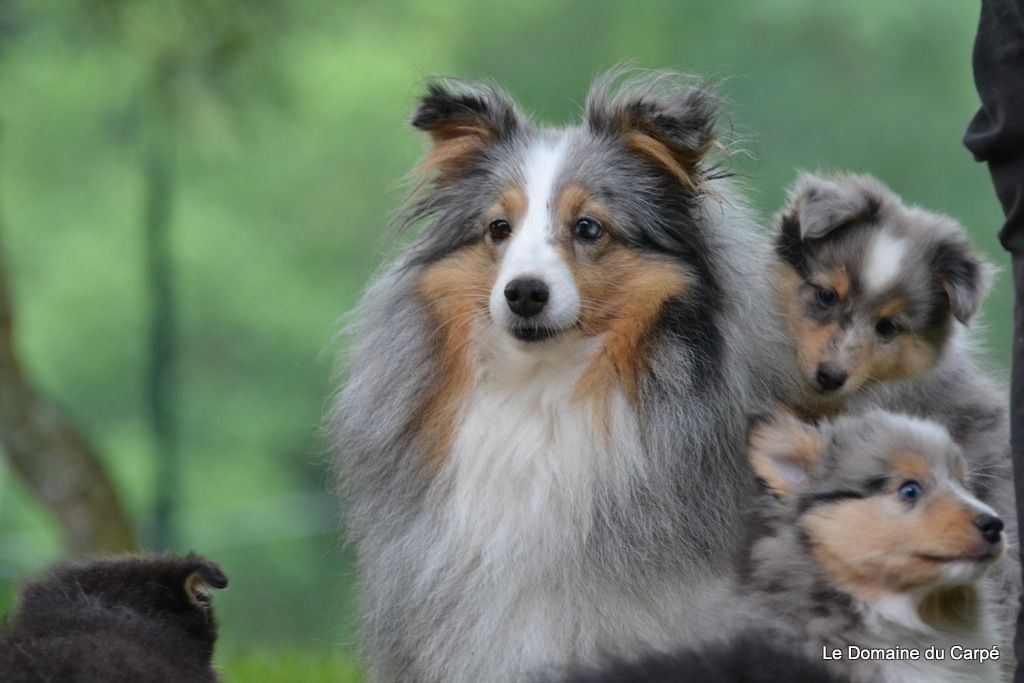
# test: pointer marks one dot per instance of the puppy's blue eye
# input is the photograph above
(587, 229)
(499, 229)
(827, 296)
(910, 491)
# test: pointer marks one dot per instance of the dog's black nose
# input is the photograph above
(526, 297)
(990, 526)
(830, 377)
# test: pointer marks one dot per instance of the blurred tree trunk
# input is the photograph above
(161, 380)
(52, 456)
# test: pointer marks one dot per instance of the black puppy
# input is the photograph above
(143, 618)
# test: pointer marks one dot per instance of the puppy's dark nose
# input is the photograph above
(990, 526)
(526, 297)
(830, 377)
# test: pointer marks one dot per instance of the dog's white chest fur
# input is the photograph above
(528, 455)
(515, 505)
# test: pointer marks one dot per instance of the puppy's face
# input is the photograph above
(547, 234)
(881, 502)
(870, 288)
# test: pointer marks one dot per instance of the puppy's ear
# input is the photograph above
(664, 116)
(783, 452)
(203, 578)
(462, 117)
(820, 205)
(964, 275)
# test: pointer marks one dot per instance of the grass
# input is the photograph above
(289, 667)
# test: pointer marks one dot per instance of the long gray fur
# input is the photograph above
(662, 530)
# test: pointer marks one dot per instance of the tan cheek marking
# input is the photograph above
(863, 549)
(870, 550)
(455, 291)
(949, 528)
(905, 357)
(812, 339)
(622, 295)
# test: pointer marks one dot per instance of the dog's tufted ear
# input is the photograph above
(964, 275)
(664, 116)
(462, 117)
(202, 577)
(820, 205)
(783, 451)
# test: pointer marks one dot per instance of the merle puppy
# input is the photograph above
(144, 619)
(877, 296)
(864, 539)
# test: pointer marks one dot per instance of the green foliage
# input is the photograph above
(289, 667)
(287, 168)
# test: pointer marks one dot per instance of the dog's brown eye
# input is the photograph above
(499, 230)
(827, 296)
(587, 229)
(886, 327)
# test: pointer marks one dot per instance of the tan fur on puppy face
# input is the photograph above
(856, 349)
(880, 545)
(812, 340)
(903, 358)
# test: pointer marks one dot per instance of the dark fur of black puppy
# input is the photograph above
(745, 659)
(142, 618)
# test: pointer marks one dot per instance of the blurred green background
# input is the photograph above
(277, 134)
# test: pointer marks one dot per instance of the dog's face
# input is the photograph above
(543, 235)
(880, 500)
(870, 288)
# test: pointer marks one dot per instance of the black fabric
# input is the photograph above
(996, 136)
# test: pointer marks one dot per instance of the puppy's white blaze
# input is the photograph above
(883, 260)
(969, 499)
(531, 250)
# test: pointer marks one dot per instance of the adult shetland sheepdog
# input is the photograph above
(876, 295)
(540, 438)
